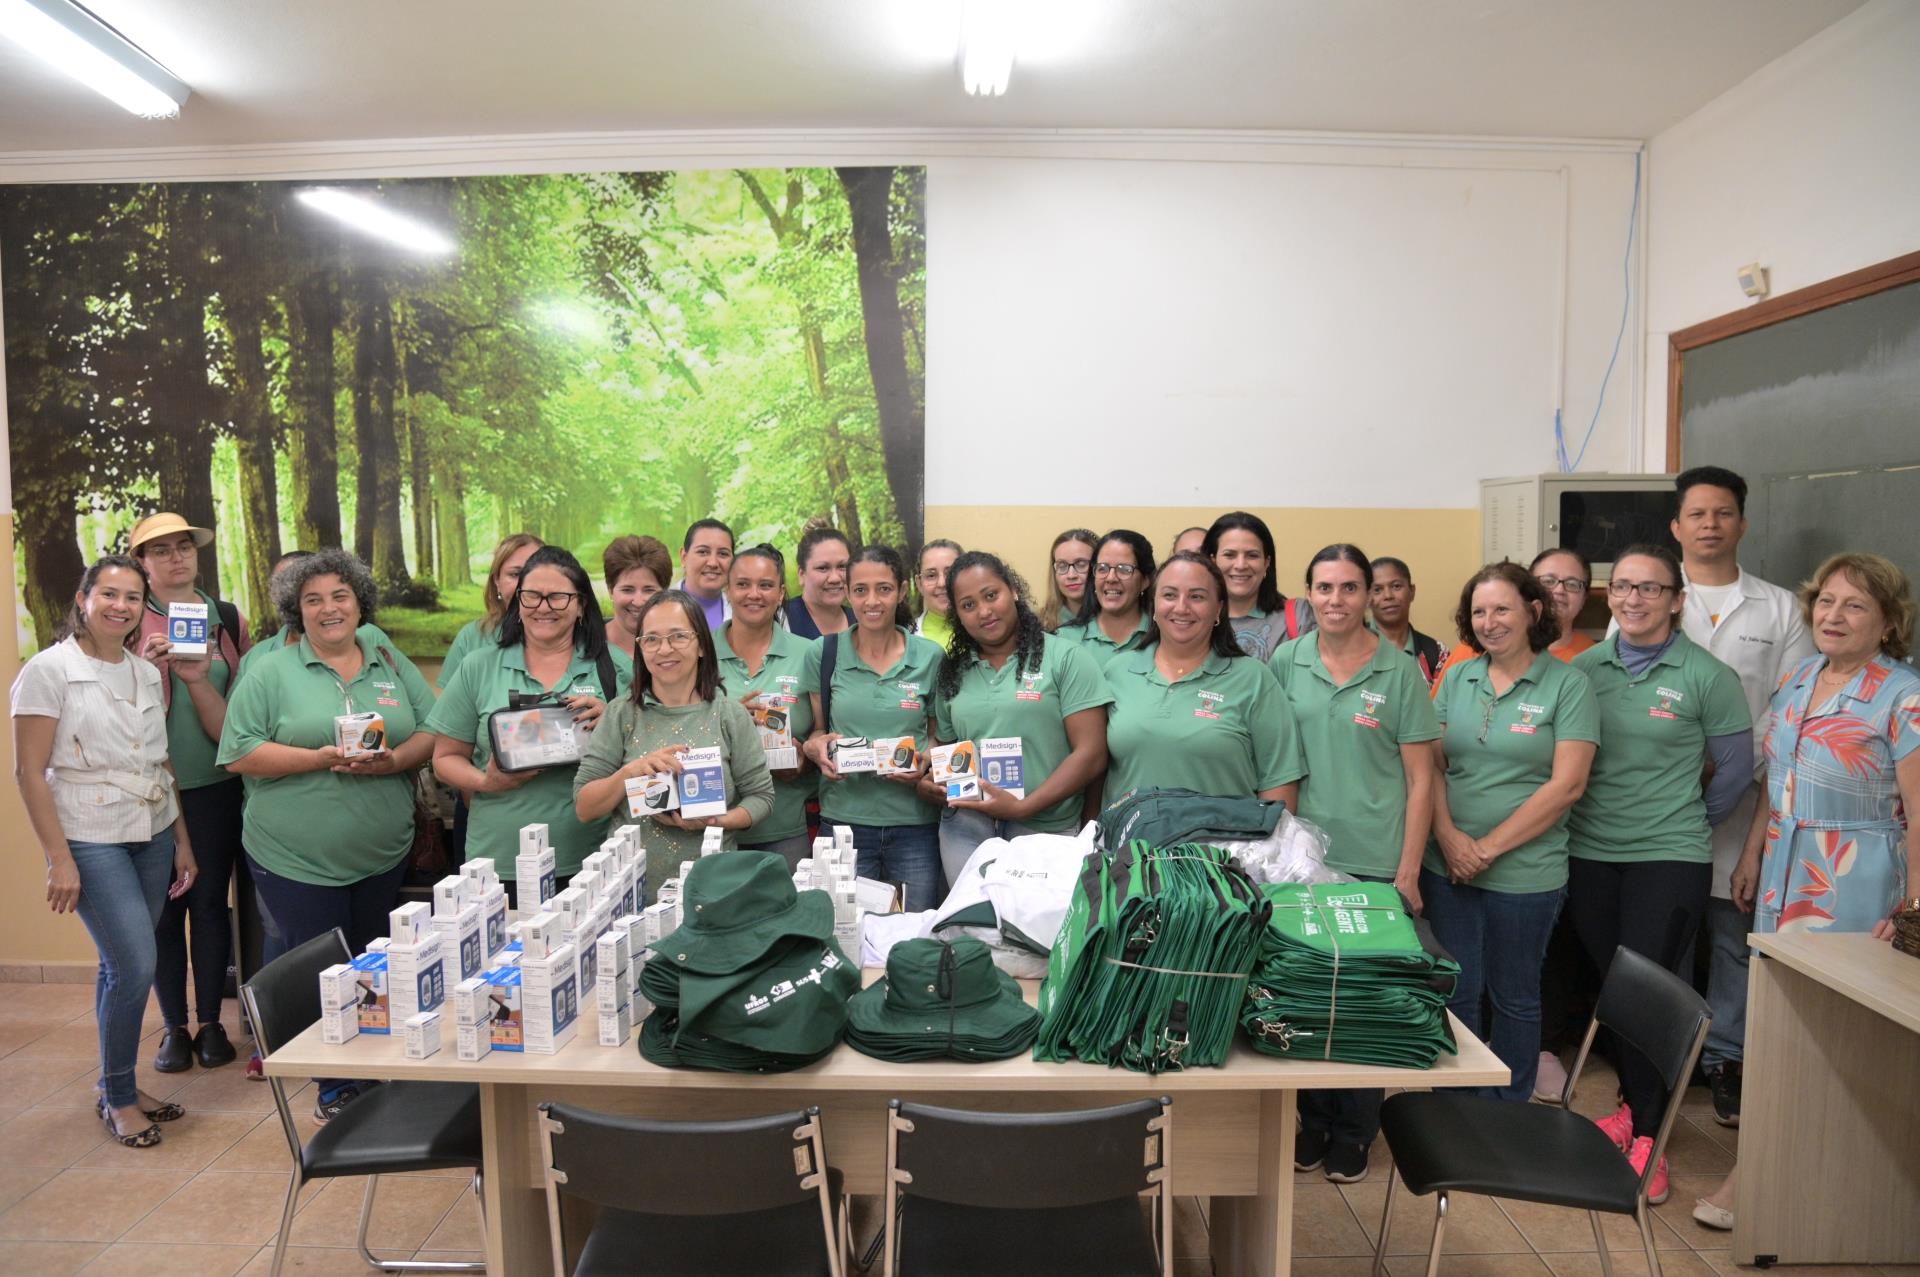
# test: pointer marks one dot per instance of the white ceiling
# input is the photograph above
(270, 71)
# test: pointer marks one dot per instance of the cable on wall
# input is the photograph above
(1626, 306)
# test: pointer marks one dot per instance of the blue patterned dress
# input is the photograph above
(1835, 857)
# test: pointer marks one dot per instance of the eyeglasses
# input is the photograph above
(1073, 567)
(1562, 584)
(1486, 722)
(1648, 590)
(1121, 570)
(675, 640)
(171, 551)
(557, 600)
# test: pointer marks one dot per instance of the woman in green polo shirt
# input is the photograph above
(1189, 710)
(1113, 617)
(760, 661)
(1070, 560)
(1365, 720)
(1640, 836)
(327, 837)
(1518, 728)
(880, 681)
(552, 643)
(1005, 676)
(677, 704)
(503, 578)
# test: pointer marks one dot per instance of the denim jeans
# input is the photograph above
(961, 833)
(793, 848)
(1499, 939)
(122, 888)
(1727, 929)
(302, 910)
(907, 854)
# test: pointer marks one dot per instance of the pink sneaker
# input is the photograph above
(256, 1072)
(1637, 1158)
(1618, 1127)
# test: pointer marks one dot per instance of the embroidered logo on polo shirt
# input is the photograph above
(1668, 698)
(1030, 687)
(1371, 703)
(1525, 726)
(1211, 703)
(909, 694)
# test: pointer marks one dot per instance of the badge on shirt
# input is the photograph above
(1371, 703)
(1210, 705)
(1668, 699)
(1029, 687)
(909, 695)
(389, 701)
(1525, 726)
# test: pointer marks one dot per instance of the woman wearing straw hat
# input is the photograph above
(195, 694)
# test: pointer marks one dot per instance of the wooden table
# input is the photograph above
(1830, 1109)
(1232, 1132)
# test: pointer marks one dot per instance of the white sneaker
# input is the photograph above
(1550, 1083)
(1717, 1217)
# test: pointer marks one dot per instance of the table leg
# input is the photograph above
(1829, 1127)
(516, 1200)
(1253, 1236)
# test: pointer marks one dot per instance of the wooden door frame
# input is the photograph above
(1801, 301)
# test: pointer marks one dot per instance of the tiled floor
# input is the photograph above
(206, 1202)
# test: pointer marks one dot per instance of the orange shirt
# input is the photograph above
(1566, 649)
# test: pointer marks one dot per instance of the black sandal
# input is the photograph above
(144, 1139)
(167, 1112)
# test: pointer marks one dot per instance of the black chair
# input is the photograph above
(752, 1196)
(1447, 1142)
(997, 1193)
(399, 1126)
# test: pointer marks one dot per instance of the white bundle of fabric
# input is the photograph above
(879, 932)
(1013, 896)
(1295, 852)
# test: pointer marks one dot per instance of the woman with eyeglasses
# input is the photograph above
(1366, 722)
(1005, 676)
(1639, 838)
(1565, 576)
(678, 703)
(761, 664)
(1189, 710)
(880, 679)
(503, 578)
(1113, 617)
(1070, 569)
(1241, 546)
(637, 568)
(930, 582)
(823, 557)
(1518, 734)
(1391, 600)
(327, 836)
(552, 648)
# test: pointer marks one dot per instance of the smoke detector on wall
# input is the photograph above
(1753, 280)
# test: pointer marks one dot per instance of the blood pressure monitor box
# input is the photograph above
(1002, 764)
(893, 755)
(774, 720)
(703, 783)
(534, 868)
(370, 972)
(651, 795)
(359, 735)
(853, 756)
(187, 628)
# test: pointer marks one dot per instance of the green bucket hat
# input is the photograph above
(737, 906)
(793, 1002)
(942, 999)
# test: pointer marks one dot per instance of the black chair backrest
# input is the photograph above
(1655, 1010)
(1032, 1160)
(286, 992)
(682, 1168)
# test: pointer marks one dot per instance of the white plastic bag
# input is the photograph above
(1295, 852)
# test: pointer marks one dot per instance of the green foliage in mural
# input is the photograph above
(605, 353)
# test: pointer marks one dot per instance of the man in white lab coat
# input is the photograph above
(1756, 628)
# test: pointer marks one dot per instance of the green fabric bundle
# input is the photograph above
(1347, 973)
(941, 1000)
(1150, 968)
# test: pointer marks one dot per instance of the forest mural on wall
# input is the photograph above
(601, 354)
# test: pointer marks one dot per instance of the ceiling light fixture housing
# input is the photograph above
(987, 40)
(79, 44)
(371, 217)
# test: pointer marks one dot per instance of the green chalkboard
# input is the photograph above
(1821, 413)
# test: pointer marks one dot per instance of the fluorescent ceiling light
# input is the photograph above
(93, 53)
(377, 220)
(986, 46)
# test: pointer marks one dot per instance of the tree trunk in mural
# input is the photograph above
(313, 442)
(450, 507)
(902, 412)
(376, 535)
(179, 396)
(254, 437)
(43, 530)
